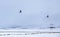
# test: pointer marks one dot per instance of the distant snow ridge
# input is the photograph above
(19, 27)
(28, 27)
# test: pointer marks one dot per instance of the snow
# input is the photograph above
(39, 35)
(28, 33)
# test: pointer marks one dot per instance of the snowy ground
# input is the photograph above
(37, 35)
(28, 33)
(40, 35)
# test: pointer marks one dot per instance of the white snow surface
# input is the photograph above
(31, 31)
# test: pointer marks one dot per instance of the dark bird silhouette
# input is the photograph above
(20, 11)
(47, 16)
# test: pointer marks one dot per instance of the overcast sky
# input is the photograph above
(34, 13)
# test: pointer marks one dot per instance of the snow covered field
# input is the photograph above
(30, 33)
(39, 35)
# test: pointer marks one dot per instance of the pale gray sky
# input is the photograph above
(33, 13)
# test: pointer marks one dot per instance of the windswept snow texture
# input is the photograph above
(27, 34)
(41, 35)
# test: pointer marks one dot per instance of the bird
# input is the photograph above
(47, 16)
(20, 11)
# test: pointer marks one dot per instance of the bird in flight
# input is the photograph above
(20, 11)
(47, 16)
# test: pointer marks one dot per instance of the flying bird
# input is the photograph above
(20, 11)
(47, 16)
